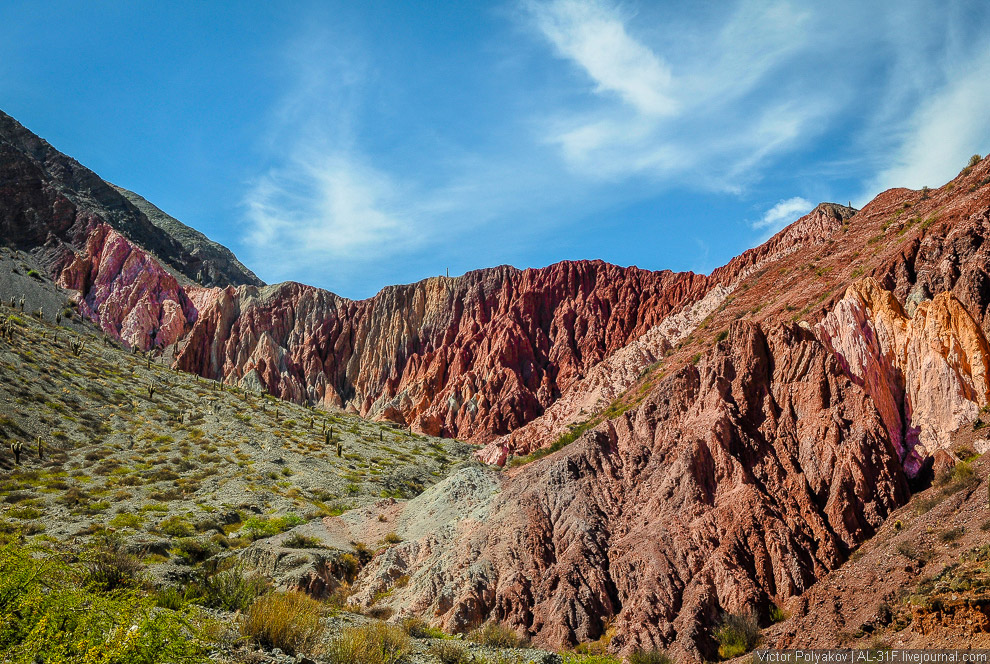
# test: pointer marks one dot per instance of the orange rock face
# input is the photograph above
(927, 374)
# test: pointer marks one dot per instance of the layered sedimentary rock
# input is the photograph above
(927, 374)
(737, 483)
(474, 356)
(616, 374)
(127, 292)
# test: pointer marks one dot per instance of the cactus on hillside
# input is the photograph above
(17, 447)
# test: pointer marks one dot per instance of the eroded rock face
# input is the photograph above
(927, 374)
(473, 357)
(127, 292)
(736, 483)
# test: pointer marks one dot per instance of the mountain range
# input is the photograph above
(661, 449)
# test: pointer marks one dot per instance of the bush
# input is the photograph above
(496, 635)
(298, 541)
(777, 614)
(392, 538)
(974, 160)
(650, 657)
(170, 598)
(45, 615)
(286, 620)
(126, 520)
(451, 652)
(193, 550)
(376, 643)
(176, 526)
(231, 589)
(258, 527)
(418, 628)
(912, 552)
(952, 534)
(109, 568)
(737, 634)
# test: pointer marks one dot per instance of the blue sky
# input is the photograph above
(355, 145)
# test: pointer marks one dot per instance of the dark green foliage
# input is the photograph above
(230, 589)
(109, 568)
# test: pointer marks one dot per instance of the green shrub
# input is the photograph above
(126, 520)
(721, 336)
(496, 635)
(170, 598)
(297, 541)
(576, 658)
(777, 614)
(176, 526)
(650, 657)
(737, 634)
(193, 550)
(418, 628)
(109, 568)
(451, 652)
(258, 527)
(230, 589)
(47, 615)
(377, 643)
(286, 620)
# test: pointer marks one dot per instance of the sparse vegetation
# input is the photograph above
(451, 652)
(297, 541)
(650, 657)
(496, 635)
(737, 634)
(376, 643)
(286, 620)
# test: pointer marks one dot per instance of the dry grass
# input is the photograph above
(286, 620)
(496, 635)
(377, 643)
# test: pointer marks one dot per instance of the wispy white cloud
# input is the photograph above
(692, 104)
(330, 207)
(945, 129)
(594, 36)
(782, 214)
(601, 104)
